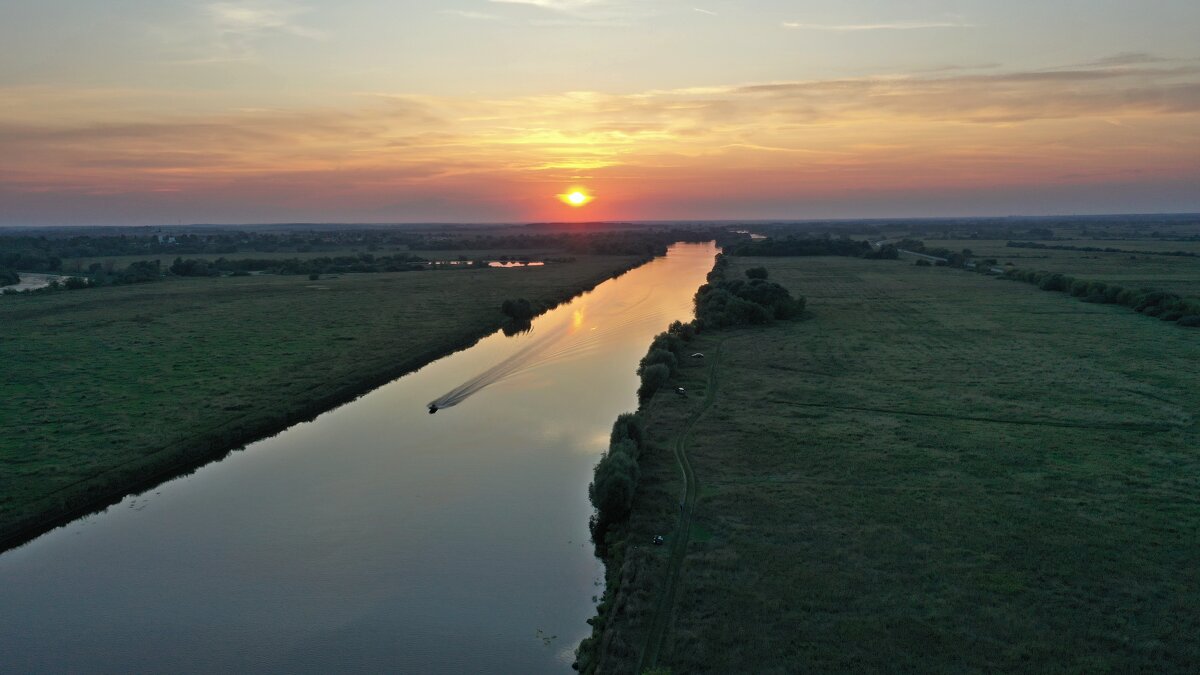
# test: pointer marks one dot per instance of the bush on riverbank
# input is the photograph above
(723, 304)
(615, 481)
(8, 277)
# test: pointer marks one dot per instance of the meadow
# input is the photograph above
(933, 471)
(109, 389)
(1131, 270)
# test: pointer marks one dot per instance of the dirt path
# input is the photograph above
(662, 615)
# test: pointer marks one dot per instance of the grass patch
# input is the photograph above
(934, 473)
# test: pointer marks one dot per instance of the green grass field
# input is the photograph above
(936, 471)
(1177, 274)
(106, 388)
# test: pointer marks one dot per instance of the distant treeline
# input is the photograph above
(8, 277)
(364, 262)
(1164, 305)
(1097, 249)
(45, 253)
(792, 245)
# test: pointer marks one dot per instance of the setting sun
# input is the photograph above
(576, 198)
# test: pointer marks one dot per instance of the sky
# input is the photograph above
(161, 112)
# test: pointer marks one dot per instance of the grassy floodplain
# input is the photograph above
(1177, 274)
(934, 471)
(107, 389)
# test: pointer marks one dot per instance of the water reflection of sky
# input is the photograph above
(377, 536)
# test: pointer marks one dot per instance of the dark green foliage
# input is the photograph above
(8, 277)
(629, 427)
(1151, 302)
(923, 262)
(193, 268)
(518, 310)
(737, 303)
(685, 331)
(668, 341)
(653, 378)
(613, 485)
(659, 356)
(314, 276)
(1190, 321)
(1095, 249)
(76, 283)
(792, 245)
(756, 273)
(885, 252)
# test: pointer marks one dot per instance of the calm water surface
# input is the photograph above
(376, 537)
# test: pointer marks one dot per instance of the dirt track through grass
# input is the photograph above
(679, 540)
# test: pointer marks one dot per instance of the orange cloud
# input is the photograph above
(1128, 118)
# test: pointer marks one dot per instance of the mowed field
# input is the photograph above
(1179, 274)
(935, 471)
(105, 388)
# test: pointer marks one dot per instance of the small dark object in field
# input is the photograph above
(1190, 321)
(681, 391)
(697, 355)
(658, 540)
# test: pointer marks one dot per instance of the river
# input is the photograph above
(376, 537)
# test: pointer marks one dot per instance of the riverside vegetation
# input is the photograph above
(115, 388)
(939, 471)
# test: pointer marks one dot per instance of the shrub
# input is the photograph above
(756, 273)
(658, 355)
(628, 427)
(921, 262)
(1190, 321)
(685, 331)
(517, 310)
(653, 378)
(613, 487)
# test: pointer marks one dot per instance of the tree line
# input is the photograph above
(793, 245)
(1164, 305)
(1097, 249)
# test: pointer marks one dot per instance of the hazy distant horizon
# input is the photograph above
(678, 221)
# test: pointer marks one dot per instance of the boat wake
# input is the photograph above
(577, 334)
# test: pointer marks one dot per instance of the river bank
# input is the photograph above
(149, 382)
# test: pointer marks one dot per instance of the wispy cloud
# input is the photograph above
(555, 5)
(468, 14)
(236, 28)
(704, 11)
(894, 25)
(257, 18)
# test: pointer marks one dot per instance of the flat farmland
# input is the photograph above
(934, 471)
(107, 388)
(1179, 274)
